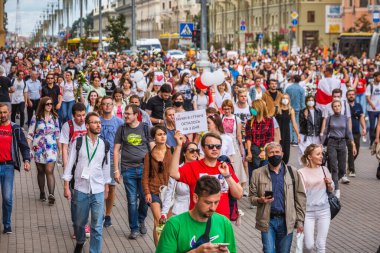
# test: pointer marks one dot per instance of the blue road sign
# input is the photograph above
(186, 29)
(61, 34)
(376, 17)
(294, 21)
(261, 36)
(242, 28)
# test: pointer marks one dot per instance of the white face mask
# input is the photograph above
(310, 103)
(285, 101)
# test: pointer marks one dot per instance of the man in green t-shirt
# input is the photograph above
(186, 232)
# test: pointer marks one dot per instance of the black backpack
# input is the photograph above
(78, 147)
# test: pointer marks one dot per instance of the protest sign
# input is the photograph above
(191, 122)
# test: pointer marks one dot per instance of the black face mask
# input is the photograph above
(275, 160)
(178, 103)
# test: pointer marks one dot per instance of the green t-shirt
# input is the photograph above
(182, 231)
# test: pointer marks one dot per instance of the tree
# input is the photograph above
(118, 32)
(362, 24)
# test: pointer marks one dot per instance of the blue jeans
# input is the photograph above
(362, 100)
(86, 202)
(133, 186)
(66, 110)
(276, 240)
(372, 124)
(293, 135)
(72, 208)
(7, 173)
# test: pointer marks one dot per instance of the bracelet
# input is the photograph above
(229, 175)
(116, 171)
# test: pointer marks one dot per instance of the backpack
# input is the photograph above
(78, 147)
(71, 129)
(13, 81)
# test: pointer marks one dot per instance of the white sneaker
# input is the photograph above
(345, 180)
(351, 174)
(252, 207)
(245, 193)
(337, 193)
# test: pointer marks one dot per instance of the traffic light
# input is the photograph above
(197, 38)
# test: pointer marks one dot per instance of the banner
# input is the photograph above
(333, 17)
(191, 122)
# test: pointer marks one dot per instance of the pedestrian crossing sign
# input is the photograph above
(186, 29)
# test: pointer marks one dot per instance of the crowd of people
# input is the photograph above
(110, 119)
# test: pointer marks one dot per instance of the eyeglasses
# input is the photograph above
(107, 104)
(227, 109)
(212, 146)
(128, 113)
(48, 104)
(47, 78)
(96, 122)
(193, 150)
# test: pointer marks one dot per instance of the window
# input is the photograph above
(170, 4)
(363, 3)
(350, 3)
(163, 6)
(311, 16)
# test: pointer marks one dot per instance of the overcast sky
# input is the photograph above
(30, 11)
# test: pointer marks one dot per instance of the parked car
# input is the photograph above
(176, 54)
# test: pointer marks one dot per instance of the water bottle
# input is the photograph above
(364, 138)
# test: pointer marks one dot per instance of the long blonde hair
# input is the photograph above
(261, 108)
(291, 110)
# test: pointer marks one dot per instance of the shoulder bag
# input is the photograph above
(333, 200)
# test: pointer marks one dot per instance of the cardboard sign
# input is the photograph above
(191, 122)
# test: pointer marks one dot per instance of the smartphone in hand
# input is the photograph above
(268, 194)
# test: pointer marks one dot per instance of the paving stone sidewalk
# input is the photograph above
(38, 227)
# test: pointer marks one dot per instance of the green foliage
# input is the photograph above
(266, 40)
(276, 41)
(362, 24)
(118, 32)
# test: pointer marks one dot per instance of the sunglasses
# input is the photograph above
(193, 150)
(212, 146)
(49, 104)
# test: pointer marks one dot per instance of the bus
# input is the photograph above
(357, 43)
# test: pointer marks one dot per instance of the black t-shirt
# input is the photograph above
(74, 71)
(109, 86)
(273, 95)
(157, 106)
(53, 93)
(5, 84)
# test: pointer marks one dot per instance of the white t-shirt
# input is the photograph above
(18, 96)
(64, 138)
(68, 91)
(229, 125)
(201, 101)
(220, 98)
(375, 97)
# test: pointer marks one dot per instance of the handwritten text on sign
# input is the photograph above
(191, 122)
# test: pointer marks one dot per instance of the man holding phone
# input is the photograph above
(200, 229)
(279, 194)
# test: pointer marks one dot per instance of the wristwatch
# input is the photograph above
(229, 175)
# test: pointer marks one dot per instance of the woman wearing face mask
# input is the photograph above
(178, 102)
(336, 134)
(310, 124)
(259, 131)
(181, 196)
(186, 88)
(316, 179)
(285, 115)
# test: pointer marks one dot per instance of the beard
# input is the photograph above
(95, 130)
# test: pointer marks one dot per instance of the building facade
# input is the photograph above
(354, 9)
(157, 17)
(108, 11)
(267, 20)
(2, 27)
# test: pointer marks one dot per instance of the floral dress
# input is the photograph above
(44, 136)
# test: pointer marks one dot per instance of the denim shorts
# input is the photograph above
(156, 199)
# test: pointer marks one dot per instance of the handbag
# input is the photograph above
(333, 201)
